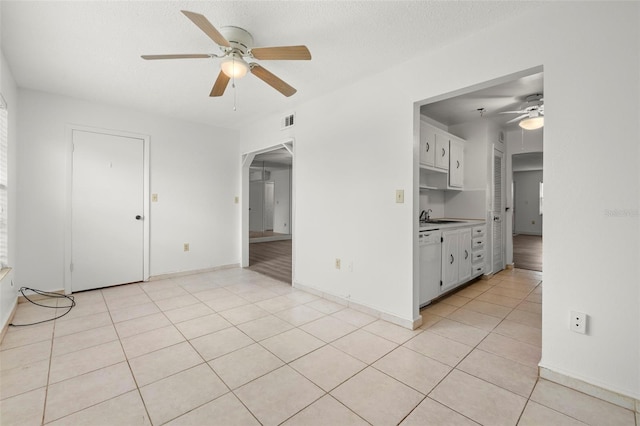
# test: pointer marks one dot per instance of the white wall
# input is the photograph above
(195, 171)
(9, 90)
(371, 126)
(528, 219)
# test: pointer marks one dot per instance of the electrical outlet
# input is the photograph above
(337, 263)
(186, 247)
(154, 198)
(578, 322)
(399, 196)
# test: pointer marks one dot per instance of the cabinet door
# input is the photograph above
(427, 145)
(456, 164)
(450, 260)
(464, 249)
(442, 151)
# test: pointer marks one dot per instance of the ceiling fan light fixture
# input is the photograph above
(234, 66)
(532, 123)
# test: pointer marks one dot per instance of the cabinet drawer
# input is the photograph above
(478, 231)
(477, 256)
(477, 270)
(477, 243)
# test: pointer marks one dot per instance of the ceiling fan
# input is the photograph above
(532, 113)
(236, 44)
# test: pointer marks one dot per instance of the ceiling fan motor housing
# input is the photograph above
(239, 39)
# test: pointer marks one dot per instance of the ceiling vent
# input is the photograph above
(287, 121)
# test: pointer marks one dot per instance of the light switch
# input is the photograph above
(154, 198)
(236, 200)
(399, 195)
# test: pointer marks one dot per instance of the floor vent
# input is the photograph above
(287, 121)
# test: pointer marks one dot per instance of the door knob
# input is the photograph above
(138, 217)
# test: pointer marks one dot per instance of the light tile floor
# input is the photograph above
(233, 347)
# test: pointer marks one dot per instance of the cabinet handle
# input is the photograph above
(466, 255)
(457, 164)
(443, 152)
(451, 261)
(427, 147)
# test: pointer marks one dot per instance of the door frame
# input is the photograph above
(247, 159)
(68, 201)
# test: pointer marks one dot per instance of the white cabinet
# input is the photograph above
(427, 145)
(450, 260)
(456, 163)
(465, 255)
(442, 151)
(441, 159)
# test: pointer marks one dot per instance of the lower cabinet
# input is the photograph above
(450, 260)
(456, 258)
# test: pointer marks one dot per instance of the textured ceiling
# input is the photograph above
(91, 49)
(508, 96)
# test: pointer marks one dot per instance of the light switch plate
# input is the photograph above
(399, 196)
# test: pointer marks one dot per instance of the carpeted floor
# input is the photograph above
(527, 252)
(272, 259)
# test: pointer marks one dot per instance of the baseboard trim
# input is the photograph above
(36, 296)
(192, 272)
(5, 326)
(615, 398)
(402, 322)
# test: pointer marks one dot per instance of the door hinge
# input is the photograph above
(442, 239)
(440, 283)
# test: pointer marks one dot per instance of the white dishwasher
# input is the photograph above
(430, 246)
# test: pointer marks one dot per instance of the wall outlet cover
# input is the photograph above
(578, 322)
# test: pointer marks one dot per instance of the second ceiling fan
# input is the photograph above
(236, 44)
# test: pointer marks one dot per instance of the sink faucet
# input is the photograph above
(424, 215)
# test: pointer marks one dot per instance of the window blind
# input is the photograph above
(4, 244)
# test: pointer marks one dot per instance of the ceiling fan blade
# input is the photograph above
(220, 85)
(282, 52)
(178, 56)
(517, 118)
(206, 26)
(272, 80)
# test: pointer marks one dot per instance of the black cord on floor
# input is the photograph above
(46, 294)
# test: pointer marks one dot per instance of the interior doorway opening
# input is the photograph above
(528, 208)
(267, 232)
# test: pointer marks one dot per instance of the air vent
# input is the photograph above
(287, 121)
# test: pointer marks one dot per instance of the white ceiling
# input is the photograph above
(508, 96)
(91, 49)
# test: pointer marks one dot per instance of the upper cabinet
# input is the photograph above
(456, 163)
(442, 151)
(427, 145)
(441, 159)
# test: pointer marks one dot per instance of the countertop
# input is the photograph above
(461, 223)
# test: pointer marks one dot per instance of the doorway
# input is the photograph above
(267, 234)
(107, 235)
(528, 209)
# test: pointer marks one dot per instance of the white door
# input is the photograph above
(269, 204)
(256, 205)
(107, 208)
(497, 213)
